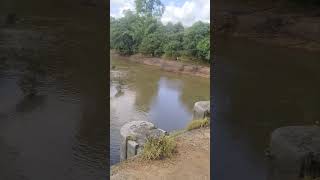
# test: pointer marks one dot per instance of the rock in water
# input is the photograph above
(201, 110)
(134, 135)
(296, 152)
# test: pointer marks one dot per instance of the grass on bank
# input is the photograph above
(199, 123)
(159, 148)
(165, 146)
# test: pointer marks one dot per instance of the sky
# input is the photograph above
(185, 11)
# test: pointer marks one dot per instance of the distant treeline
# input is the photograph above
(142, 32)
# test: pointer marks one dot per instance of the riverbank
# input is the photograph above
(274, 23)
(168, 65)
(192, 160)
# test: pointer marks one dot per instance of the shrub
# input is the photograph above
(159, 148)
(195, 124)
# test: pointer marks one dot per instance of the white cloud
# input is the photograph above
(190, 12)
(118, 6)
(187, 13)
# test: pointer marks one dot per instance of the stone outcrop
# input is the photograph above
(201, 110)
(134, 135)
(295, 152)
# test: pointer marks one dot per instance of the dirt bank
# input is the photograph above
(192, 161)
(169, 65)
(278, 23)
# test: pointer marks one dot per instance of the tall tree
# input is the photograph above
(193, 35)
(153, 8)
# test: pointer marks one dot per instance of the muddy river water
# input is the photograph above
(61, 131)
(142, 92)
(258, 88)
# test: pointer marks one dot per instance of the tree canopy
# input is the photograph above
(142, 32)
(153, 8)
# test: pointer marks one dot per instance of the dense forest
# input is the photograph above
(141, 31)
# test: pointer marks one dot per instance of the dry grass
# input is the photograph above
(165, 146)
(159, 148)
(195, 124)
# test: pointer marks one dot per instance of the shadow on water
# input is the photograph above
(259, 88)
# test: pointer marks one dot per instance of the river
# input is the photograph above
(150, 94)
(61, 131)
(258, 88)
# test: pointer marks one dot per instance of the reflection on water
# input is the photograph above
(53, 119)
(259, 88)
(140, 92)
(167, 111)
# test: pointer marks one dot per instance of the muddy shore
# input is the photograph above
(169, 65)
(276, 23)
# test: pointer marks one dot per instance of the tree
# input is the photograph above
(174, 46)
(173, 49)
(153, 8)
(143, 32)
(174, 28)
(122, 34)
(152, 44)
(193, 35)
(203, 48)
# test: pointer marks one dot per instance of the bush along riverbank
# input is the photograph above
(183, 154)
(142, 31)
(169, 65)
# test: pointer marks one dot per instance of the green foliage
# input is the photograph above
(193, 36)
(142, 32)
(173, 49)
(159, 148)
(152, 45)
(149, 8)
(195, 124)
(203, 48)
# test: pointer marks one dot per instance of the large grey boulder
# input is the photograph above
(295, 152)
(201, 110)
(134, 135)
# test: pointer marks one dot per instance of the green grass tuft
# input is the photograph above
(195, 124)
(159, 148)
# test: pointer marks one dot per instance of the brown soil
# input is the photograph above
(192, 161)
(270, 22)
(170, 65)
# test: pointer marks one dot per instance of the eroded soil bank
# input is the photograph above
(169, 65)
(276, 22)
(192, 161)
